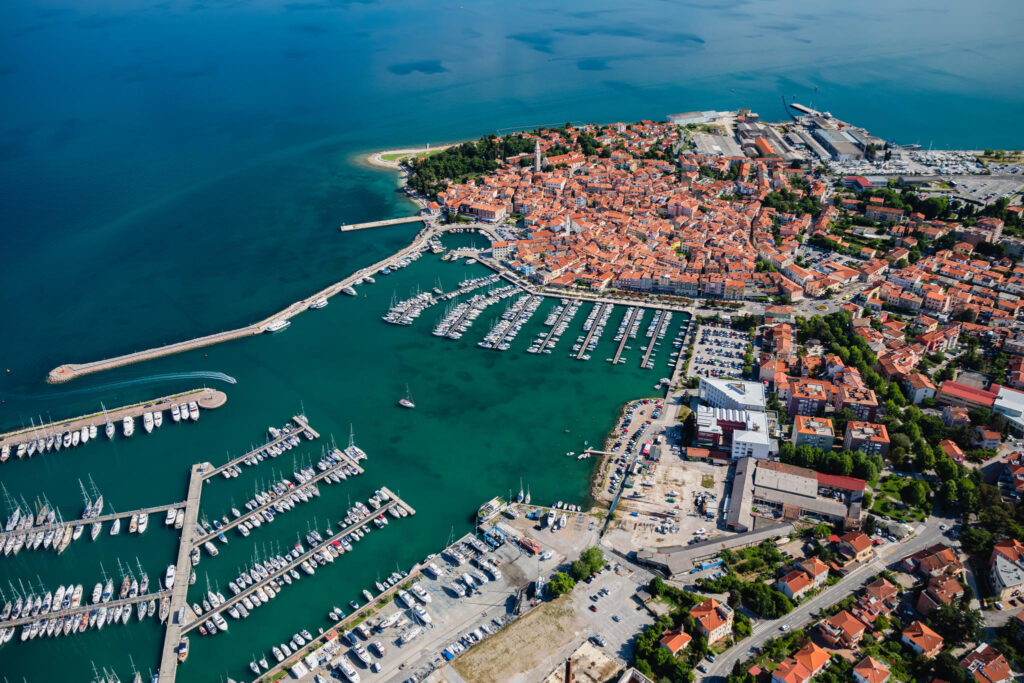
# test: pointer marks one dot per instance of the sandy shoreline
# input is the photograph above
(377, 158)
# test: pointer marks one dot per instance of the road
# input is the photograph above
(801, 616)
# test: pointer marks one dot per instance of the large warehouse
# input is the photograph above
(776, 491)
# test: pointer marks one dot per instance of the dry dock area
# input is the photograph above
(206, 398)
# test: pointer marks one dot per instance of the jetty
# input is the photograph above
(83, 608)
(179, 593)
(628, 324)
(344, 460)
(344, 624)
(554, 328)
(303, 426)
(599, 311)
(654, 339)
(235, 599)
(159, 509)
(381, 224)
(206, 398)
(70, 371)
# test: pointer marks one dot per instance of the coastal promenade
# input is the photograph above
(70, 371)
(179, 593)
(206, 398)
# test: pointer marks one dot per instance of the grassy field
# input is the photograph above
(889, 503)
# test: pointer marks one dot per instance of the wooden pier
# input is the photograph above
(206, 398)
(299, 421)
(71, 611)
(511, 324)
(654, 339)
(255, 511)
(179, 593)
(381, 224)
(235, 599)
(625, 332)
(159, 509)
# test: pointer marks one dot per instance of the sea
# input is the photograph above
(172, 169)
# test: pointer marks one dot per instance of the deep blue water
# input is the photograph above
(176, 168)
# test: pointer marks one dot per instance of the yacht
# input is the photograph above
(85, 435)
(109, 430)
(348, 290)
(406, 402)
(169, 576)
(115, 528)
(277, 325)
(128, 425)
(193, 410)
(158, 418)
(147, 422)
(350, 671)
(143, 522)
(319, 303)
(184, 411)
(175, 412)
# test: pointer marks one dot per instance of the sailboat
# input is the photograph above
(527, 499)
(521, 496)
(407, 401)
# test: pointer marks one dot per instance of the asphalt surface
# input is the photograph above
(886, 557)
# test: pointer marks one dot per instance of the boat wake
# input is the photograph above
(150, 379)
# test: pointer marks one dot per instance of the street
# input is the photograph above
(848, 585)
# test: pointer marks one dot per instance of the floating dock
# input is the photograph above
(345, 460)
(207, 399)
(599, 307)
(654, 339)
(179, 593)
(633, 313)
(299, 420)
(344, 624)
(381, 224)
(72, 611)
(235, 599)
(86, 522)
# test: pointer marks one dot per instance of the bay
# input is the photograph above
(177, 168)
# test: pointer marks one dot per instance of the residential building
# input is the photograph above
(795, 584)
(816, 569)
(675, 640)
(855, 546)
(987, 665)
(957, 394)
(933, 561)
(713, 620)
(918, 387)
(843, 630)
(867, 437)
(922, 640)
(941, 590)
(808, 396)
(870, 670)
(816, 432)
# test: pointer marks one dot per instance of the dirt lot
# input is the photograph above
(522, 646)
(681, 482)
(589, 665)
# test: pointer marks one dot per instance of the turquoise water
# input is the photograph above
(177, 168)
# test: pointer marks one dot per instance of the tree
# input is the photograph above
(914, 493)
(765, 601)
(977, 541)
(560, 584)
(957, 623)
(870, 525)
(946, 468)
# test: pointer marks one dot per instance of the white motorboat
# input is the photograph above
(128, 425)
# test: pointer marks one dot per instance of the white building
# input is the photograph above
(732, 393)
(1011, 404)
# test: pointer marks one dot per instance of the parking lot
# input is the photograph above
(453, 619)
(603, 611)
(634, 431)
(718, 352)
